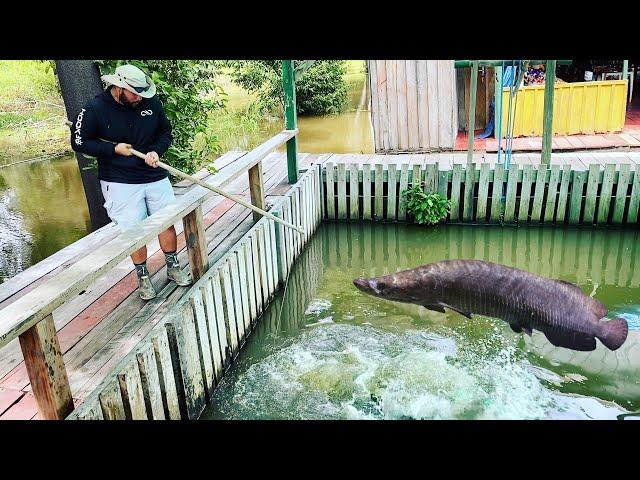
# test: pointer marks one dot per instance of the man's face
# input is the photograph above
(129, 98)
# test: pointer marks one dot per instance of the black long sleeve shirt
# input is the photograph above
(145, 127)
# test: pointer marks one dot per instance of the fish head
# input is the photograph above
(404, 287)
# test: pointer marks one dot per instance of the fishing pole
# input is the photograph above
(230, 196)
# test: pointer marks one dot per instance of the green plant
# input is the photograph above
(320, 86)
(426, 208)
(188, 93)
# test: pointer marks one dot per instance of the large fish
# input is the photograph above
(559, 309)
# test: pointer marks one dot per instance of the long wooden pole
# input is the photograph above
(547, 119)
(291, 121)
(230, 196)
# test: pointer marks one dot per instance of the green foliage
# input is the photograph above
(320, 86)
(426, 208)
(181, 87)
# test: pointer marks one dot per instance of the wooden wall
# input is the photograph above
(413, 105)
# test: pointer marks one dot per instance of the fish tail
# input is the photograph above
(613, 333)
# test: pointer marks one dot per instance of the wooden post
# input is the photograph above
(45, 366)
(194, 233)
(256, 188)
(547, 121)
(289, 86)
(470, 170)
(497, 105)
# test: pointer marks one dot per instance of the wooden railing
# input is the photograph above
(30, 317)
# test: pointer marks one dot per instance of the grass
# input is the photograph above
(31, 111)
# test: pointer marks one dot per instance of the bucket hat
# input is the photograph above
(133, 79)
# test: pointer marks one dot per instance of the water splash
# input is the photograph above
(341, 371)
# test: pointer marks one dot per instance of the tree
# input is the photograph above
(79, 82)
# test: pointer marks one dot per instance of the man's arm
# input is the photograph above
(84, 136)
(164, 138)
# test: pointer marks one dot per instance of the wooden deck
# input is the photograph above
(101, 325)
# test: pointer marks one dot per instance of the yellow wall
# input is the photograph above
(581, 107)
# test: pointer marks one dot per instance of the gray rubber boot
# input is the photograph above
(177, 275)
(145, 288)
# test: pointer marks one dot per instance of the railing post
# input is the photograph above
(289, 86)
(194, 234)
(547, 123)
(470, 171)
(256, 188)
(47, 373)
(497, 104)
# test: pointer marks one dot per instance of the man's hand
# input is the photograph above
(152, 159)
(123, 149)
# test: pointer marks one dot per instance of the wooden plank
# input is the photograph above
(267, 252)
(237, 298)
(330, 195)
(244, 286)
(483, 189)
(249, 269)
(469, 185)
(496, 192)
(455, 191)
(230, 317)
(446, 92)
(401, 95)
(111, 401)
(592, 192)
(221, 325)
(204, 345)
(342, 191)
(538, 198)
(412, 104)
(431, 178)
(274, 255)
(552, 193)
(354, 194)
(366, 191)
(47, 373)
(563, 195)
(423, 104)
(379, 193)
(512, 185)
(375, 106)
(392, 103)
(183, 343)
(392, 192)
(577, 189)
(164, 366)
(256, 189)
(404, 185)
(634, 202)
(264, 282)
(621, 193)
(131, 390)
(383, 114)
(525, 193)
(433, 97)
(206, 292)
(605, 193)
(150, 382)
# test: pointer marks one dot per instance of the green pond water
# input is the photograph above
(324, 350)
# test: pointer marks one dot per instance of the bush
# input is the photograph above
(320, 86)
(181, 85)
(426, 208)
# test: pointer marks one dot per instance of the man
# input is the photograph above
(127, 114)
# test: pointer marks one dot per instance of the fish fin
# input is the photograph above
(435, 307)
(515, 327)
(614, 333)
(573, 340)
(571, 285)
(527, 330)
(596, 307)
(460, 311)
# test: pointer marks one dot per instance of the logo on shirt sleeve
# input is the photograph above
(144, 113)
(78, 126)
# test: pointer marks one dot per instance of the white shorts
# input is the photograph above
(128, 204)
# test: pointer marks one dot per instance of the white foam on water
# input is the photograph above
(343, 371)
